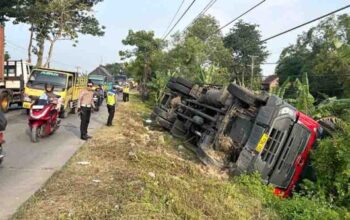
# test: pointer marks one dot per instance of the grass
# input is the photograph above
(139, 173)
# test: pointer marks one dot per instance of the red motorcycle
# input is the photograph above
(43, 119)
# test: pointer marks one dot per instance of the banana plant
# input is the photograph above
(158, 84)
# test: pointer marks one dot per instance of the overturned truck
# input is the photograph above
(231, 127)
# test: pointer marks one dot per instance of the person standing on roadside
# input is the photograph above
(112, 98)
(85, 107)
(126, 93)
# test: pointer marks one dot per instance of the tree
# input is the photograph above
(9, 9)
(243, 40)
(323, 52)
(115, 68)
(146, 48)
(57, 20)
(7, 56)
(198, 48)
(70, 17)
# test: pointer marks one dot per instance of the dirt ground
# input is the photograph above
(134, 171)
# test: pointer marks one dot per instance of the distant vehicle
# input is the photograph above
(67, 85)
(132, 83)
(100, 80)
(121, 79)
(16, 74)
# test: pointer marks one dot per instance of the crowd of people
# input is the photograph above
(86, 104)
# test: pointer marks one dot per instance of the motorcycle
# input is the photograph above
(98, 99)
(43, 119)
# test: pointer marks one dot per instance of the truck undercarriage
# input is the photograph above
(236, 129)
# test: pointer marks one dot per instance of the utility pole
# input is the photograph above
(252, 69)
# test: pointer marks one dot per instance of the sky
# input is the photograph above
(119, 16)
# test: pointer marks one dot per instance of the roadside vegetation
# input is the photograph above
(135, 171)
(314, 77)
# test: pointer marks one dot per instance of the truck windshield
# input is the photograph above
(39, 78)
(97, 82)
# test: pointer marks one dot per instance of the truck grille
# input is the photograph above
(271, 147)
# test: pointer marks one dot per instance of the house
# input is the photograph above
(270, 82)
(102, 71)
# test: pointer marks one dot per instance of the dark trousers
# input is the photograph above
(125, 97)
(85, 120)
(111, 111)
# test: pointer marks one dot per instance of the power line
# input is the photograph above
(205, 9)
(246, 12)
(16, 46)
(183, 14)
(306, 23)
(172, 20)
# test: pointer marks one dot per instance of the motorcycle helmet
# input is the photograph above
(49, 87)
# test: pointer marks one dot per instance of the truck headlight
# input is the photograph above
(287, 111)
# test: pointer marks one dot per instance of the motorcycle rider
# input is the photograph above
(50, 96)
(85, 106)
(101, 93)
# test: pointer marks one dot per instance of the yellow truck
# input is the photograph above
(67, 85)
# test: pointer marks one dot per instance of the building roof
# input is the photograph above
(101, 70)
(270, 79)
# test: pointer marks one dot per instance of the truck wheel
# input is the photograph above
(164, 123)
(179, 88)
(2, 156)
(163, 114)
(34, 135)
(185, 82)
(4, 102)
(245, 95)
(178, 130)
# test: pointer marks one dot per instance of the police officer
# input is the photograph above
(85, 106)
(112, 98)
(126, 93)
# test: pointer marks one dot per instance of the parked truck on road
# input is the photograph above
(236, 129)
(12, 83)
(67, 85)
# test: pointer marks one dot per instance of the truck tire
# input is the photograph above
(2, 156)
(245, 95)
(178, 130)
(4, 102)
(185, 82)
(163, 114)
(172, 79)
(179, 88)
(164, 123)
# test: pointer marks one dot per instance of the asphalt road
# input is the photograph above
(27, 166)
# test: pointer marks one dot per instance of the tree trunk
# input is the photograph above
(48, 61)
(146, 76)
(41, 46)
(30, 44)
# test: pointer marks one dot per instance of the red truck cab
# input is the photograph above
(301, 160)
(278, 145)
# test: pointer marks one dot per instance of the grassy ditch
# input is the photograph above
(131, 171)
